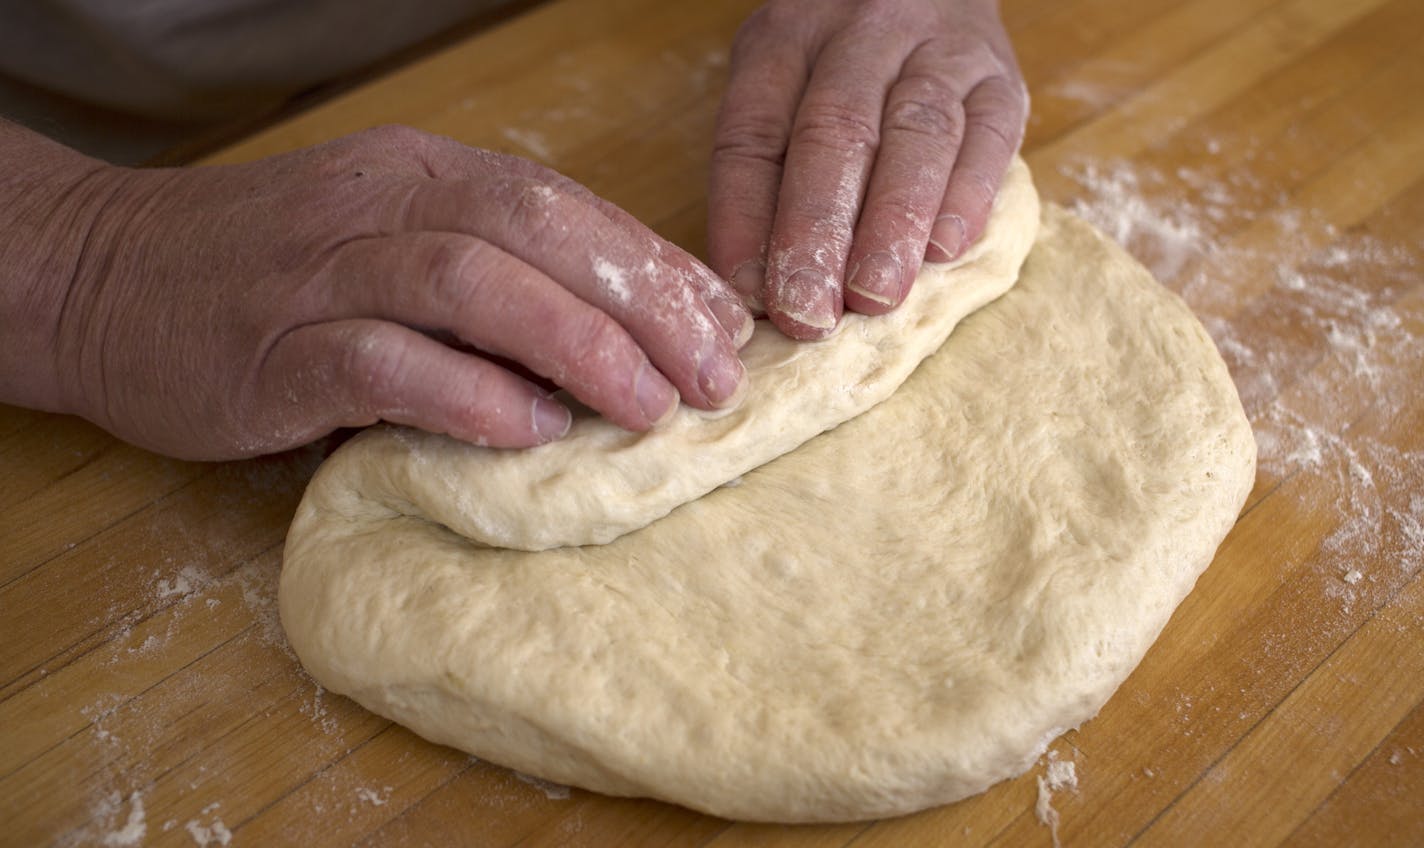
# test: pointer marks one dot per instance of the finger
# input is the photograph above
(500, 304)
(920, 133)
(721, 298)
(828, 162)
(353, 373)
(753, 128)
(448, 159)
(576, 246)
(994, 115)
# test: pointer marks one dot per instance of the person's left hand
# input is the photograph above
(856, 139)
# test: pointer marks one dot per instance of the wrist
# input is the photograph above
(50, 201)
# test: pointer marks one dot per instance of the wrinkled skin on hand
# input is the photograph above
(230, 311)
(857, 138)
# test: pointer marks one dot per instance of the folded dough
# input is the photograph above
(528, 500)
(896, 614)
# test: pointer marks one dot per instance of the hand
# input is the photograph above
(857, 138)
(231, 311)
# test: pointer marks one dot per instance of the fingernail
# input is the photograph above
(736, 320)
(947, 237)
(657, 398)
(748, 279)
(877, 277)
(722, 379)
(808, 298)
(744, 334)
(551, 419)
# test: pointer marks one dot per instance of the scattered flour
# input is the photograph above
(316, 710)
(1061, 774)
(188, 580)
(373, 797)
(1057, 776)
(552, 791)
(134, 827)
(613, 278)
(1323, 342)
(124, 726)
(1164, 237)
(258, 581)
(215, 833)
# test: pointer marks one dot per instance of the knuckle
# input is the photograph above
(761, 138)
(997, 107)
(451, 269)
(380, 148)
(536, 210)
(826, 123)
(925, 109)
(373, 363)
(479, 401)
(996, 100)
(593, 345)
(591, 356)
(1006, 133)
(901, 208)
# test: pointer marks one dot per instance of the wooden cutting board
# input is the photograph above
(1264, 157)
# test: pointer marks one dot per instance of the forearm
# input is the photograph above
(50, 197)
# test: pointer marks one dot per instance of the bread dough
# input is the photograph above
(897, 614)
(600, 481)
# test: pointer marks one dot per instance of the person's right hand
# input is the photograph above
(222, 312)
(856, 140)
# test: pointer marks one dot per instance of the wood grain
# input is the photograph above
(1264, 157)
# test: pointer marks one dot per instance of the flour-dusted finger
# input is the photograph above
(448, 159)
(920, 134)
(829, 159)
(576, 246)
(769, 72)
(994, 115)
(502, 305)
(722, 300)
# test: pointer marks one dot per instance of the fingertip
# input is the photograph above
(947, 239)
(748, 279)
(551, 420)
(806, 306)
(734, 400)
(744, 333)
(801, 332)
(859, 303)
(657, 398)
(734, 317)
(874, 285)
(722, 380)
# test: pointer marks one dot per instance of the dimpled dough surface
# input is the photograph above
(898, 613)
